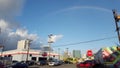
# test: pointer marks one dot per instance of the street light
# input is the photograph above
(50, 40)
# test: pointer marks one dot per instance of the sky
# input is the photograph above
(70, 21)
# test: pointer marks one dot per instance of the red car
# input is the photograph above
(86, 64)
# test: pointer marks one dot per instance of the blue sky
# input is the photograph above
(76, 20)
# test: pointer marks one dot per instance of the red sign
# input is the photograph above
(89, 53)
(44, 54)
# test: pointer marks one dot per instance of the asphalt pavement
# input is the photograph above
(60, 66)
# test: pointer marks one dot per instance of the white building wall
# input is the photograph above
(23, 44)
(20, 57)
(17, 57)
(20, 53)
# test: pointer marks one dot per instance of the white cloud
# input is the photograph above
(22, 32)
(3, 24)
(10, 32)
(9, 37)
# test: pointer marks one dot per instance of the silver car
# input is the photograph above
(54, 63)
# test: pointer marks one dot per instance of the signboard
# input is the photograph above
(89, 53)
(44, 54)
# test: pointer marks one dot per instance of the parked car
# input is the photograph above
(30, 63)
(2, 65)
(42, 62)
(61, 62)
(54, 63)
(20, 65)
(87, 63)
(12, 64)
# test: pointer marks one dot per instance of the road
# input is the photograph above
(60, 66)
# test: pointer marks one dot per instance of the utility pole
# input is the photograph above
(28, 41)
(117, 18)
(50, 40)
(59, 53)
(2, 48)
(49, 50)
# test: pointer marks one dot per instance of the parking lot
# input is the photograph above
(60, 66)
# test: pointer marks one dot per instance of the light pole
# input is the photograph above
(50, 40)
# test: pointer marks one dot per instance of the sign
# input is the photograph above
(44, 54)
(89, 53)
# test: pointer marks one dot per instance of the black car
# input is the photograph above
(20, 65)
(2, 65)
(42, 62)
(30, 63)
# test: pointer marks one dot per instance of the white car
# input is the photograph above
(54, 63)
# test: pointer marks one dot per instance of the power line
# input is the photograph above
(86, 41)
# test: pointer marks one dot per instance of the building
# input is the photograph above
(76, 54)
(24, 53)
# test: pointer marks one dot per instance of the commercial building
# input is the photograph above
(24, 53)
(76, 53)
